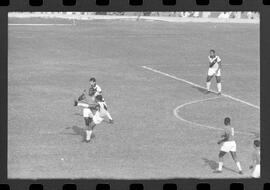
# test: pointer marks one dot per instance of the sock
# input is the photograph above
(208, 85)
(109, 115)
(88, 134)
(82, 104)
(239, 166)
(220, 164)
(219, 87)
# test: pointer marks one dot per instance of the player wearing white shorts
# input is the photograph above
(88, 97)
(101, 111)
(256, 160)
(228, 145)
(214, 70)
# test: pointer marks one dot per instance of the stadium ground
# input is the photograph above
(49, 66)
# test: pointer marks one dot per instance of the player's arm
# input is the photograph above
(218, 61)
(224, 138)
(98, 91)
(212, 62)
(219, 65)
(82, 96)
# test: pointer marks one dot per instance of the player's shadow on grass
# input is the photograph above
(76, 131)
(214, 165)
(79, 114)
(200, 89)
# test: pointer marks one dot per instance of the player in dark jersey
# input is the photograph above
(87, 98)
(101, 111)
(228, 145)
(256, 160)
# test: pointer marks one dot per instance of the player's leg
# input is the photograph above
(218, 79)
(89, 131)
(81, 104)
(257, 171)
(88, 117)
(220, 161)
(88, 128)
(234, 156)
(109, 116)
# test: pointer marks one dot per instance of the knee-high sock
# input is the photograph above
(239, 166)
(208, 85)
(88, 134)
(220, 165)
(109, 115)
(219, 87)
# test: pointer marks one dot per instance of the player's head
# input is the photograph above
(212, 53)
(92, 81)
(99, 98)
(257, 143)
(227, 121)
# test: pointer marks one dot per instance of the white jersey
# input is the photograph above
(102, 109)
(101, 113)
(97, 90)
(215, 60)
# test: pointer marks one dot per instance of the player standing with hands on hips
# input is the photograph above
(214, 69)
(228, 145)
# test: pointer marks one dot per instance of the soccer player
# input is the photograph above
(87, 98)
(214, 70)
(101, 112)
(256, 165)
(228, 145)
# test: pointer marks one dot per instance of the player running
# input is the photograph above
(256, 165)
(214, 70)
(228, 145)
(88, 97)
(101, 111)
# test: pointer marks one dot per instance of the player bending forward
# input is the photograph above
(214, 70)
(228, 145)
(101, 112)
(256, 165)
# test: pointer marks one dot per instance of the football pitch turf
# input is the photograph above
(164, 127)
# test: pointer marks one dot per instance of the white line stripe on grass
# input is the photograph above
(196, 85)
(40, 24)
(175, 112)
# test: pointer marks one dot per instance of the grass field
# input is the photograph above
(49, 66)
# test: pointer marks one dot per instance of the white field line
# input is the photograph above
(196, 85)
(40, 24)
(175, 112)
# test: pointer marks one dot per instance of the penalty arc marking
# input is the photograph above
(202, 100)
(175, 112)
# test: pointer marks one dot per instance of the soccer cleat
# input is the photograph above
(240, 172)
(110, 121)
(75, 102)
(219, 93)
(217, 171)
(207, 92)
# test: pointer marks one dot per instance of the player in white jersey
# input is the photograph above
(101, 111)
(214, 70)
(94, 89)
(88, 97)
(256, 160)
(228, 145)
